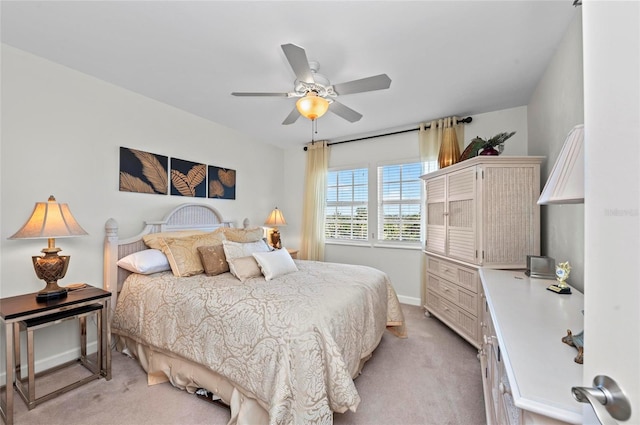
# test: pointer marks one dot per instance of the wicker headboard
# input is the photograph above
(184, 217)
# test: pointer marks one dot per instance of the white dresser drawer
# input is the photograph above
(465, 324)
(466, 277)
(459, 296)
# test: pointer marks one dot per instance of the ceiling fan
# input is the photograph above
(316, 94)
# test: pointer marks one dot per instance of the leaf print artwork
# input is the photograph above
(215, 189)
(153, 170)
(143, 172)
(222, 183)
(227, 177)
(188, 178)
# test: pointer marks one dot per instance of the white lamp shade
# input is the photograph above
(566, 181)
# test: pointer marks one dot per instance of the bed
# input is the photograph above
(280, 346)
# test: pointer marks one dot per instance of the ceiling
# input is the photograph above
(443, 57)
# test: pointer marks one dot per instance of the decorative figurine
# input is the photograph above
(562, 274)
(576, 341)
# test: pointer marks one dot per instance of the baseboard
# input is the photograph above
(409, 300)
(52, 361)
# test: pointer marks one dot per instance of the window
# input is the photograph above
(399, 204)
(347, 214)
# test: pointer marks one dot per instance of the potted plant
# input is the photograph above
(480, 146)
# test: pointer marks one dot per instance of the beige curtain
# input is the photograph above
(441, 144)
(444, 133)
(313, 210)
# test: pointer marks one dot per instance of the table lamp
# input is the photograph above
(50, 220)
(274, 220)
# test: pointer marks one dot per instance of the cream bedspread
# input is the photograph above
(295, 342)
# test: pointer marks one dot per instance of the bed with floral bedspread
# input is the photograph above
(283, 351)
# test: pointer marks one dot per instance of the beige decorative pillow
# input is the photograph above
(244, 268)
(182, 253)
(152, 240)
(213, 259)
(251, 234)
(238, 249)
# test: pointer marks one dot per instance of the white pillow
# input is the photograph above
(275, 263)
(243, 249)
(145, 262)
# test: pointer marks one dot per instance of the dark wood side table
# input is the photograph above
(24, 312)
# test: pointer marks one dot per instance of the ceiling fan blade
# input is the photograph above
(298, 60)
(377, 82)
(344, 111)
(292, 117)
(264, 94)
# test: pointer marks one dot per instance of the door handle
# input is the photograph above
(606, 398)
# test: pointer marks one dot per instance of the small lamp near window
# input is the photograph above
(274, 220)
(50, 220)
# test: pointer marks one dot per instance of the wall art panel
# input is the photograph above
(188, 178)
(143, 172)
(222, 183)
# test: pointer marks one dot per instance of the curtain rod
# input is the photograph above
(463, 120)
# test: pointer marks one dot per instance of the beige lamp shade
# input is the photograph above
(275, 218)
(50, 220)
(312, 106)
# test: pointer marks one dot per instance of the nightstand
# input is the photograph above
(24, 313)
(293, 253)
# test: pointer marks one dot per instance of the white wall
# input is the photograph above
(402, 265)
(556, 106)
(61, 133)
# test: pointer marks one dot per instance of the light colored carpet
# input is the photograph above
(432, 377)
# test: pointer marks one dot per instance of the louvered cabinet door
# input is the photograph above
(510, 214)
(435, 212)
(461, 215)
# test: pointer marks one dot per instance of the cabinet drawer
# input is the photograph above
(443, 307)
(460, 275)
(465, 277)
(460, 320)
(454, 293)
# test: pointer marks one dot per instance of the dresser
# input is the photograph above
(527, 371)
(481, 212)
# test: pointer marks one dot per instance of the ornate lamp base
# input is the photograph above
(50, 268)
(51, 292)
(275, 239)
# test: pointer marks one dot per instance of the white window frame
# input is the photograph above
(367, 204)
(380, 202)
(373, 206)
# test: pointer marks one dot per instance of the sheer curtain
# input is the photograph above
(313, 210)
(429, 139)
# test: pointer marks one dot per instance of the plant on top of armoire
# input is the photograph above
(479, 146)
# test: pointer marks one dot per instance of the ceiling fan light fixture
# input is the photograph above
(312, 106)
